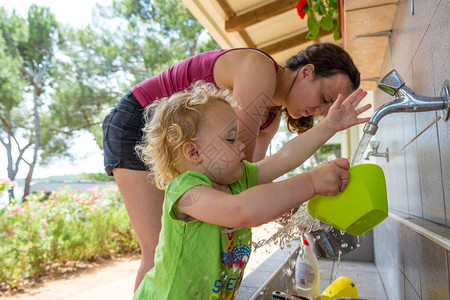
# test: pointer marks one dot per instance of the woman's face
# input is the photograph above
(311, 94)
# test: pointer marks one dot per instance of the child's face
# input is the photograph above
(220, 150)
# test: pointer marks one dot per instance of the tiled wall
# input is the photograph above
(411, 265)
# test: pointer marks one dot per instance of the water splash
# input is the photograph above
(299, 223)
(361, 148)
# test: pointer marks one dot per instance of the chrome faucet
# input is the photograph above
(374, 145)
(406, 100)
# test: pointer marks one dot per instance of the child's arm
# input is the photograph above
(342, 115)
(255, 206)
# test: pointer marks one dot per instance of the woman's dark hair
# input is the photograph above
(328, 60)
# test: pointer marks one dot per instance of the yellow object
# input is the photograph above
(360, 207)
(341, 287)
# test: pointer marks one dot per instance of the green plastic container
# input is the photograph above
(360, 207)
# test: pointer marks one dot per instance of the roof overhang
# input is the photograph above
(275, 27)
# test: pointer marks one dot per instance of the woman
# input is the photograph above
(308, 85)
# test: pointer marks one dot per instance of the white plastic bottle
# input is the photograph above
(307, 274)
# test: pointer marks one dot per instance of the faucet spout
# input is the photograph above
(406, 100)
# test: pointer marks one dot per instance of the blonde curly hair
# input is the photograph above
(172, 121)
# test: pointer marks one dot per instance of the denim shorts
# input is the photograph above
(122, 131)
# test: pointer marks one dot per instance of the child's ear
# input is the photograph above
(190, 152)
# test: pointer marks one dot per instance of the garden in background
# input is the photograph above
(51, 232)
(58, 82)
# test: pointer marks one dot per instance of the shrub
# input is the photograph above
(60, 228)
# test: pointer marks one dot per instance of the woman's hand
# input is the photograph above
(344, 114)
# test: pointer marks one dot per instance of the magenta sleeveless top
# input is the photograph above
(180, 76)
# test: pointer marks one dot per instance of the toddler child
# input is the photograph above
(213, 196)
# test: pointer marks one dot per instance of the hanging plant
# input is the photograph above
(324, 10)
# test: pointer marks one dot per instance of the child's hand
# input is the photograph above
(330, 177)
(344, 114)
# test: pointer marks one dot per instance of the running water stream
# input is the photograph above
(361, 148)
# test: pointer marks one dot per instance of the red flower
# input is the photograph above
(301, 8)
(93, 200)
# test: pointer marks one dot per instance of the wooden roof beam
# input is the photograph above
(240, 22)
(292, 42)
(230, 14)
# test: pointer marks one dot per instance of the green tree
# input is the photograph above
(59, 81)
(130, 41)
(96, 177)
(11, 86)
(31, 46)
(158, 34)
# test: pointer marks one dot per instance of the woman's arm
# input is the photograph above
(342, 114)
(264, 138)
(252, 78)
(256, 205)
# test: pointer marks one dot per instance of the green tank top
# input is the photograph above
(197, 260)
